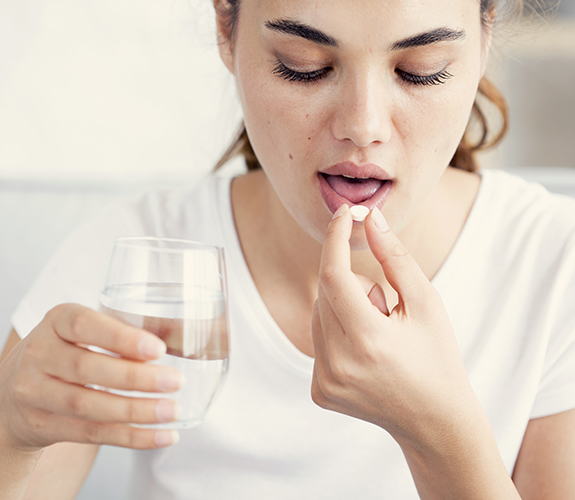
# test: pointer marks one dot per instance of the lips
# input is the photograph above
(353, 189)
(366, 185)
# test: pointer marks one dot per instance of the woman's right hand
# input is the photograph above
(43, 393)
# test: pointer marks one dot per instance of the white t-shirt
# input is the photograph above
(509, 288)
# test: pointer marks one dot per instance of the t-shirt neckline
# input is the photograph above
(252, 299)
(465, 242)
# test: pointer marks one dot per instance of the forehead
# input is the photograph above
(369, 21)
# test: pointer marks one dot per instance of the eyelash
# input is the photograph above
(290, 75)
(295, 76)
(435, 79)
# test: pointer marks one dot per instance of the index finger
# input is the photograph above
(81, 325)
(399, 267)
(341, 286)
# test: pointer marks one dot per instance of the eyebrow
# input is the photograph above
(296, 28)
(302, 30)
(429, 37)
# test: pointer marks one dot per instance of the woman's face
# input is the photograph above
(340, 90)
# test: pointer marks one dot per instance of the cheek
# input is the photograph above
(276, 123)
(436, 123)
(286, 122)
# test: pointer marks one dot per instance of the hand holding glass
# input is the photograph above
(175, 289)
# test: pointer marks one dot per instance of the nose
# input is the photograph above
(362, 112)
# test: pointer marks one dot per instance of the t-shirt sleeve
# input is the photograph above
(557, 387)
(76, 272)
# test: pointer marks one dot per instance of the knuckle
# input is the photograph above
(78, 405)
(131, 376)
(340, 374)
(79, 323)
(93, 432)
(137, 438)
(131, 412)
(81, 366)
(329, 275)
(53, 314)
(399, 251)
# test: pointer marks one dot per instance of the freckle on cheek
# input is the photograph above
(309, 138)
(290, 157)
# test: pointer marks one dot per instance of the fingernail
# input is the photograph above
(169, 380)
(379, 220)
(166, 438)
(168, 410)
(151, 347)
(340, 211)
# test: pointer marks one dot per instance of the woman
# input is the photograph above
(469, 381)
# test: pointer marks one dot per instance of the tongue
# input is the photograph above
(353, 190)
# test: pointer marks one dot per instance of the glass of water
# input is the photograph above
(175, 289)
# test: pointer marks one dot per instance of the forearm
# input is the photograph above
(460, 461)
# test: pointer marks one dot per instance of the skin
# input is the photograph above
(358, 299)
(361, 111)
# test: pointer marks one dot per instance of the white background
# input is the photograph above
(112, 89)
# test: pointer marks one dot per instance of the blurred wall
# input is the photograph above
(125, 90)
(533, 62)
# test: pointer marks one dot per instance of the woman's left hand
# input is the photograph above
(399, 369)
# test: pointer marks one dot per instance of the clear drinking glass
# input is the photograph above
(175, 289)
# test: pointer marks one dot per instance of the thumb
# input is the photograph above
(400, 268)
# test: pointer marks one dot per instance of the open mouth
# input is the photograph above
(354, 189)
(370, 192)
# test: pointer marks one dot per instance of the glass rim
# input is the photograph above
(140, 242)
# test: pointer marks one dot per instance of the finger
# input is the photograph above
(317, 333)
(375, 293)
(329, 330)
(341, 286)
(400, 268)
(82, 366)
(81, 325)
(54, 428)
(321, 366)
(377, 297)
(84, 403)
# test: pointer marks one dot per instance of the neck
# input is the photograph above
(272, 241)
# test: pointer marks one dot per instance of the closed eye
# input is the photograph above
(290, 75)
(425, 80)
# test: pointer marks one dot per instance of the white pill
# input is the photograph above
(359, 213)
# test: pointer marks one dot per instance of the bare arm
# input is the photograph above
(56, 473)
(545, 466)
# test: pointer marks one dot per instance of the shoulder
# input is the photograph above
(515, 208)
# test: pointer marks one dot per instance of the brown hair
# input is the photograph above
(465, 157)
